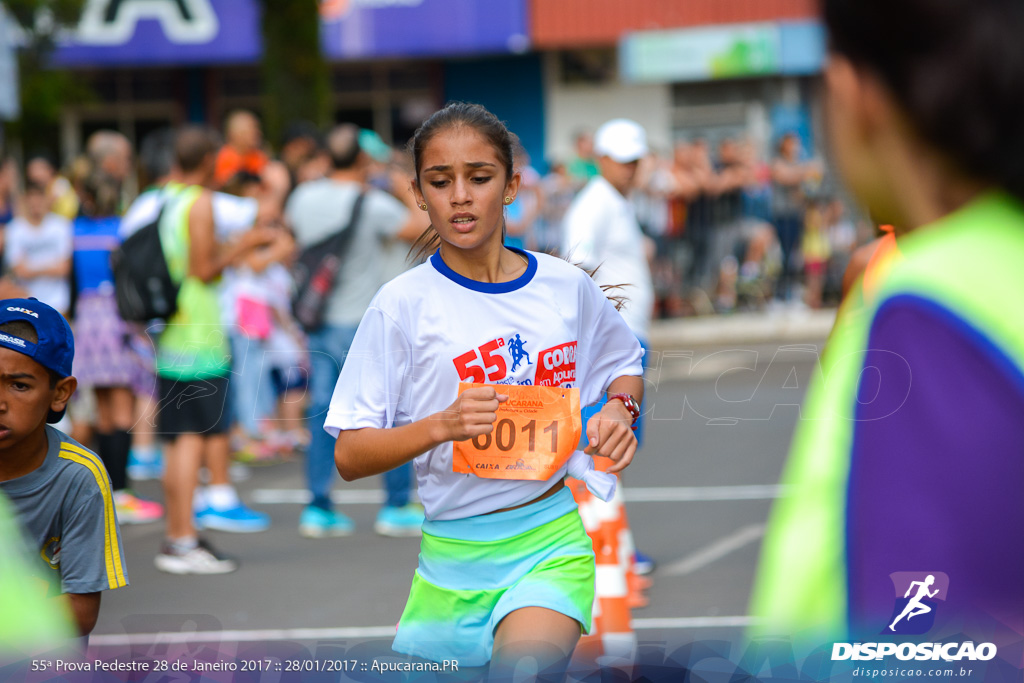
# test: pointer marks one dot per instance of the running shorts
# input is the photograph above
(193, 407)
(473, 572)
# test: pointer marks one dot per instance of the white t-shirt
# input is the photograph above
(403, 365)
(41, 246)
(232, 215)
(601, 231)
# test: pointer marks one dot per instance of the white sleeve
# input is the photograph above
(371, 383)
(610, 349)
(232, 215)
(387, 214)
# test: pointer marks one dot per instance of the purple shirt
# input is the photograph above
(937, 469)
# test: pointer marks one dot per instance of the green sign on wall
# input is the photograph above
(727, 51)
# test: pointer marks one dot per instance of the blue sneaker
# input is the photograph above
(238, 520)
(642, 564)
(316, 522)
(144, 465)
(399, 521)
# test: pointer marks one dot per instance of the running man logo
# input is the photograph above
(556, 366)
(917, 594)
(517, 353)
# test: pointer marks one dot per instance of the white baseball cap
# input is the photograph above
(622, 140)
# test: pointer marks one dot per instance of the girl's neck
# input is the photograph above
(489, 263)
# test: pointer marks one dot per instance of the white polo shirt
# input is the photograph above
(600, 230)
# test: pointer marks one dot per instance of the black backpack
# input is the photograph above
(316, 270)
(143, 284)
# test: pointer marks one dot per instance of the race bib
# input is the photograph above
(536, 432)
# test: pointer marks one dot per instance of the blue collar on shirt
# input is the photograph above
(488, 287)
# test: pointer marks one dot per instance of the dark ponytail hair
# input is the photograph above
(956, 67)
(454, 116)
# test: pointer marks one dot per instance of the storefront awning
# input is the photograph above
(183, 32)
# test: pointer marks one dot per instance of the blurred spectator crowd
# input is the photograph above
(728, 230)
(725, 230)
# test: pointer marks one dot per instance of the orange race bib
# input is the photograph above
(537, 430)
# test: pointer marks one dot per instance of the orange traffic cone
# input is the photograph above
(617, 637)
(612, 514)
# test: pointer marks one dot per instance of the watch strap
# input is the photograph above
(631, 404)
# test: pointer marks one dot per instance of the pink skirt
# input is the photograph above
(108, 351)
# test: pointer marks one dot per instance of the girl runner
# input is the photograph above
(506, 568)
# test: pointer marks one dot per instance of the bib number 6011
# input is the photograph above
(505, 436)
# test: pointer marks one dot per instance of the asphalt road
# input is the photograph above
(719, 424)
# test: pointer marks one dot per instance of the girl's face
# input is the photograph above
(462, 181)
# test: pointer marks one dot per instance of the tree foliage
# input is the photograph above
(45, 92)
(296, 84)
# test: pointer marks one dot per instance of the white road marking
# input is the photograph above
(660, 494)
(302, 496)
(634, 494)
(714, 551)
(242, 636)
(111, 640)
(690, 622)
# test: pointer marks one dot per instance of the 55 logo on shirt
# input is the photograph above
(483, 364)
(555, 367)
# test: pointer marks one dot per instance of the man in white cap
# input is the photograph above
(601, 231)
(600, 227)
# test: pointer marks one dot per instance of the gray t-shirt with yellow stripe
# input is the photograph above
(66, 512)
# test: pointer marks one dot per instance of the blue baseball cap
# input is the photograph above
(55, 348)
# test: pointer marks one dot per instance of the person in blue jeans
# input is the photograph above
(316, 210)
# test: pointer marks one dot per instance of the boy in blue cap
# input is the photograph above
(60, 490)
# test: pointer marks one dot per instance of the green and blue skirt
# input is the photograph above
(473, 572)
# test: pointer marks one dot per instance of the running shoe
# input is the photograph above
(237, 520)
(316, 522)
(202, 559)
(143, 465)
(642, 564)
(399, 521)
(257, 452)
(134, 510)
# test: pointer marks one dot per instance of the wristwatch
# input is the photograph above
(631, 405)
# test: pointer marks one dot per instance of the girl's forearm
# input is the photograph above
(362, 453)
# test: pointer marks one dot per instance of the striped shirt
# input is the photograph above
(66, 511)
